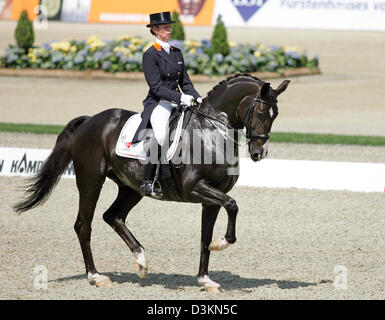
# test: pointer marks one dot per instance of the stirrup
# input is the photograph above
(151, 188)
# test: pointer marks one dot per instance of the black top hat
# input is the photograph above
(160, 18)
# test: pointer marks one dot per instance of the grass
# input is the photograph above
(284, 137)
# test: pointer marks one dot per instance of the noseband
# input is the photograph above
(249, 114)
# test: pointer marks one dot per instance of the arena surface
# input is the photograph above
(289, 241)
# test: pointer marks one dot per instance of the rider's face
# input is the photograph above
(163, 32)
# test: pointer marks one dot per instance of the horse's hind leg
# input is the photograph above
(116, 215)
(89, 185)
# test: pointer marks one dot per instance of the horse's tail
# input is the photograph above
(41, 185)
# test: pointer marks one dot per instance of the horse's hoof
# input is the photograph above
(141, 271)
(219, 244)
(100, 281)
(104, 283)
(210, 286)
(214, 290)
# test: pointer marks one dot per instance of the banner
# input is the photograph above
(5, 9)
(365, 15)
(196, 12)
(302, 174)
(75, 10)
(19, 5)
(26, 162)
(361, 15)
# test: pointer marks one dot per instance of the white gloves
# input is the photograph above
(187, 100)
(199, 100)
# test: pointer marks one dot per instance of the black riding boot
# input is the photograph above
(149, 186)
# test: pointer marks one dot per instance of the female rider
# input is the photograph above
(165, 73)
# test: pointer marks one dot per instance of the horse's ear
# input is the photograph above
(265, 90)
(282, 87)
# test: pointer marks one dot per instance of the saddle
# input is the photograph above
(125, 148)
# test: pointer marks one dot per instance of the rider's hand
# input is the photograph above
(187, 100)
(199, 100)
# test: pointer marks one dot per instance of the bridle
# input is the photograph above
(249, 114)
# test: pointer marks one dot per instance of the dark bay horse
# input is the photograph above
(240, 101)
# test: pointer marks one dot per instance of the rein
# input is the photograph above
(249, 114)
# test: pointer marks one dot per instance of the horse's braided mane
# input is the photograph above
(229, 81)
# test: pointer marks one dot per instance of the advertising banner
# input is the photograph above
(52, 9)
(19, 5)
(363, 15)
(75, 10)
(5, 9)
(26, 162)
(195, 12)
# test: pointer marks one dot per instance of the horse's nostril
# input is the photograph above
(255, 156)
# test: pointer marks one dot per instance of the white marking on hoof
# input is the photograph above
(140, 264)
(210, 286)
(99, 280)
(219, 244)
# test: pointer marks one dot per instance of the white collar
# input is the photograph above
(165, 45)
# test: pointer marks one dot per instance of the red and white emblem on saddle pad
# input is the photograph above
(125, 148)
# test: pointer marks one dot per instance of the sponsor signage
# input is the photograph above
(364, 15)
(26, 162)
(192, 12)
(302, 174)
(196, 12)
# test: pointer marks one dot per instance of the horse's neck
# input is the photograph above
(229, 100)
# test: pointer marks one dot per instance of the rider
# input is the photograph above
(164, 70)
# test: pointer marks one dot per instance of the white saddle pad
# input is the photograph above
(125, 148)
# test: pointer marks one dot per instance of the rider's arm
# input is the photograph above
(186, 84)
(154, 80)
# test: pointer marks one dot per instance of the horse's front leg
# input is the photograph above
(212, 199)
(209, 216)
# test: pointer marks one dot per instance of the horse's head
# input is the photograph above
(257, 113)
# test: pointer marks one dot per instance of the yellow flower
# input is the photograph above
(92, 39)
(232, 44)
(63, 46)
(31, 55)
(132, 47)
(124, 50)
(137, 41)
(261, 47)
(291, 48)
(73, 49)
(257, 54)
(123, 37)
(94, 42)
(192, 44)
(193, 50)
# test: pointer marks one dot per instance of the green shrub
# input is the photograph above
(24, 33)
(219, 43)
(177, 28)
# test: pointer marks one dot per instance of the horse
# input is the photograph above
(240, 101)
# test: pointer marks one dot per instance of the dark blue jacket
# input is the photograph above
(166, 75)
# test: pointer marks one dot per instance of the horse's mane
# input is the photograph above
(229, 81)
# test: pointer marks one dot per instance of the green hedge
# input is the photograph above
(125, 54)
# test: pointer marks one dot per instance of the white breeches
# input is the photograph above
(159, 120)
